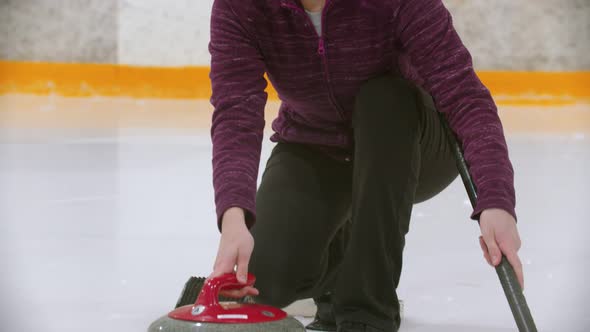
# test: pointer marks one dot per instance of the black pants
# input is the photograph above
(330, 226)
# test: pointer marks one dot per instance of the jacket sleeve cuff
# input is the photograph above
(484, 204)
(247, 205)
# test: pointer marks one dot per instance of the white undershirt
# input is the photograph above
(316, 19)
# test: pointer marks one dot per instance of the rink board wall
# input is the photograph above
(540, 35)
(527, 53)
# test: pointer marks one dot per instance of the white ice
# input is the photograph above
(99, 230)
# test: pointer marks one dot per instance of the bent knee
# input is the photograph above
(282, 281)
(387, 100)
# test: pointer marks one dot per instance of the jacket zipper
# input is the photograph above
(321, 52)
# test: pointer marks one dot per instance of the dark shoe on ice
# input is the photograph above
(324, 317)
(356, 327)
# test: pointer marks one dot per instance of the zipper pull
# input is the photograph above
(321, 47)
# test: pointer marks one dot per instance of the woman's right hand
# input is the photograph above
(235, 248)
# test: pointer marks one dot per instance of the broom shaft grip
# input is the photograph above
(512, 290)
(516, 300)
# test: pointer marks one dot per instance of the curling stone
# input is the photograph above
(209, 315)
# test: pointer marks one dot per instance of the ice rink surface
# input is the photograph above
(99, 230)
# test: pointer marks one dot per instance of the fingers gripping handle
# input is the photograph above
(209, 295)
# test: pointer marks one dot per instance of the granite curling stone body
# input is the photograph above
(208, 315)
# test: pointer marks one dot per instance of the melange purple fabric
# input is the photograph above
(318, 77)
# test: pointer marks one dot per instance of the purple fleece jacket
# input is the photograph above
(318, 77)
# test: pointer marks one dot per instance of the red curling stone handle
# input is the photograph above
(208, 309)
(209, 296)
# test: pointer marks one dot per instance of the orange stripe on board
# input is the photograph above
(539, 88)
(79, 80)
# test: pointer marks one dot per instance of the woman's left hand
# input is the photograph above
(500, 236)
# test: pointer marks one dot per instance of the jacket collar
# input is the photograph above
(297, 3)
